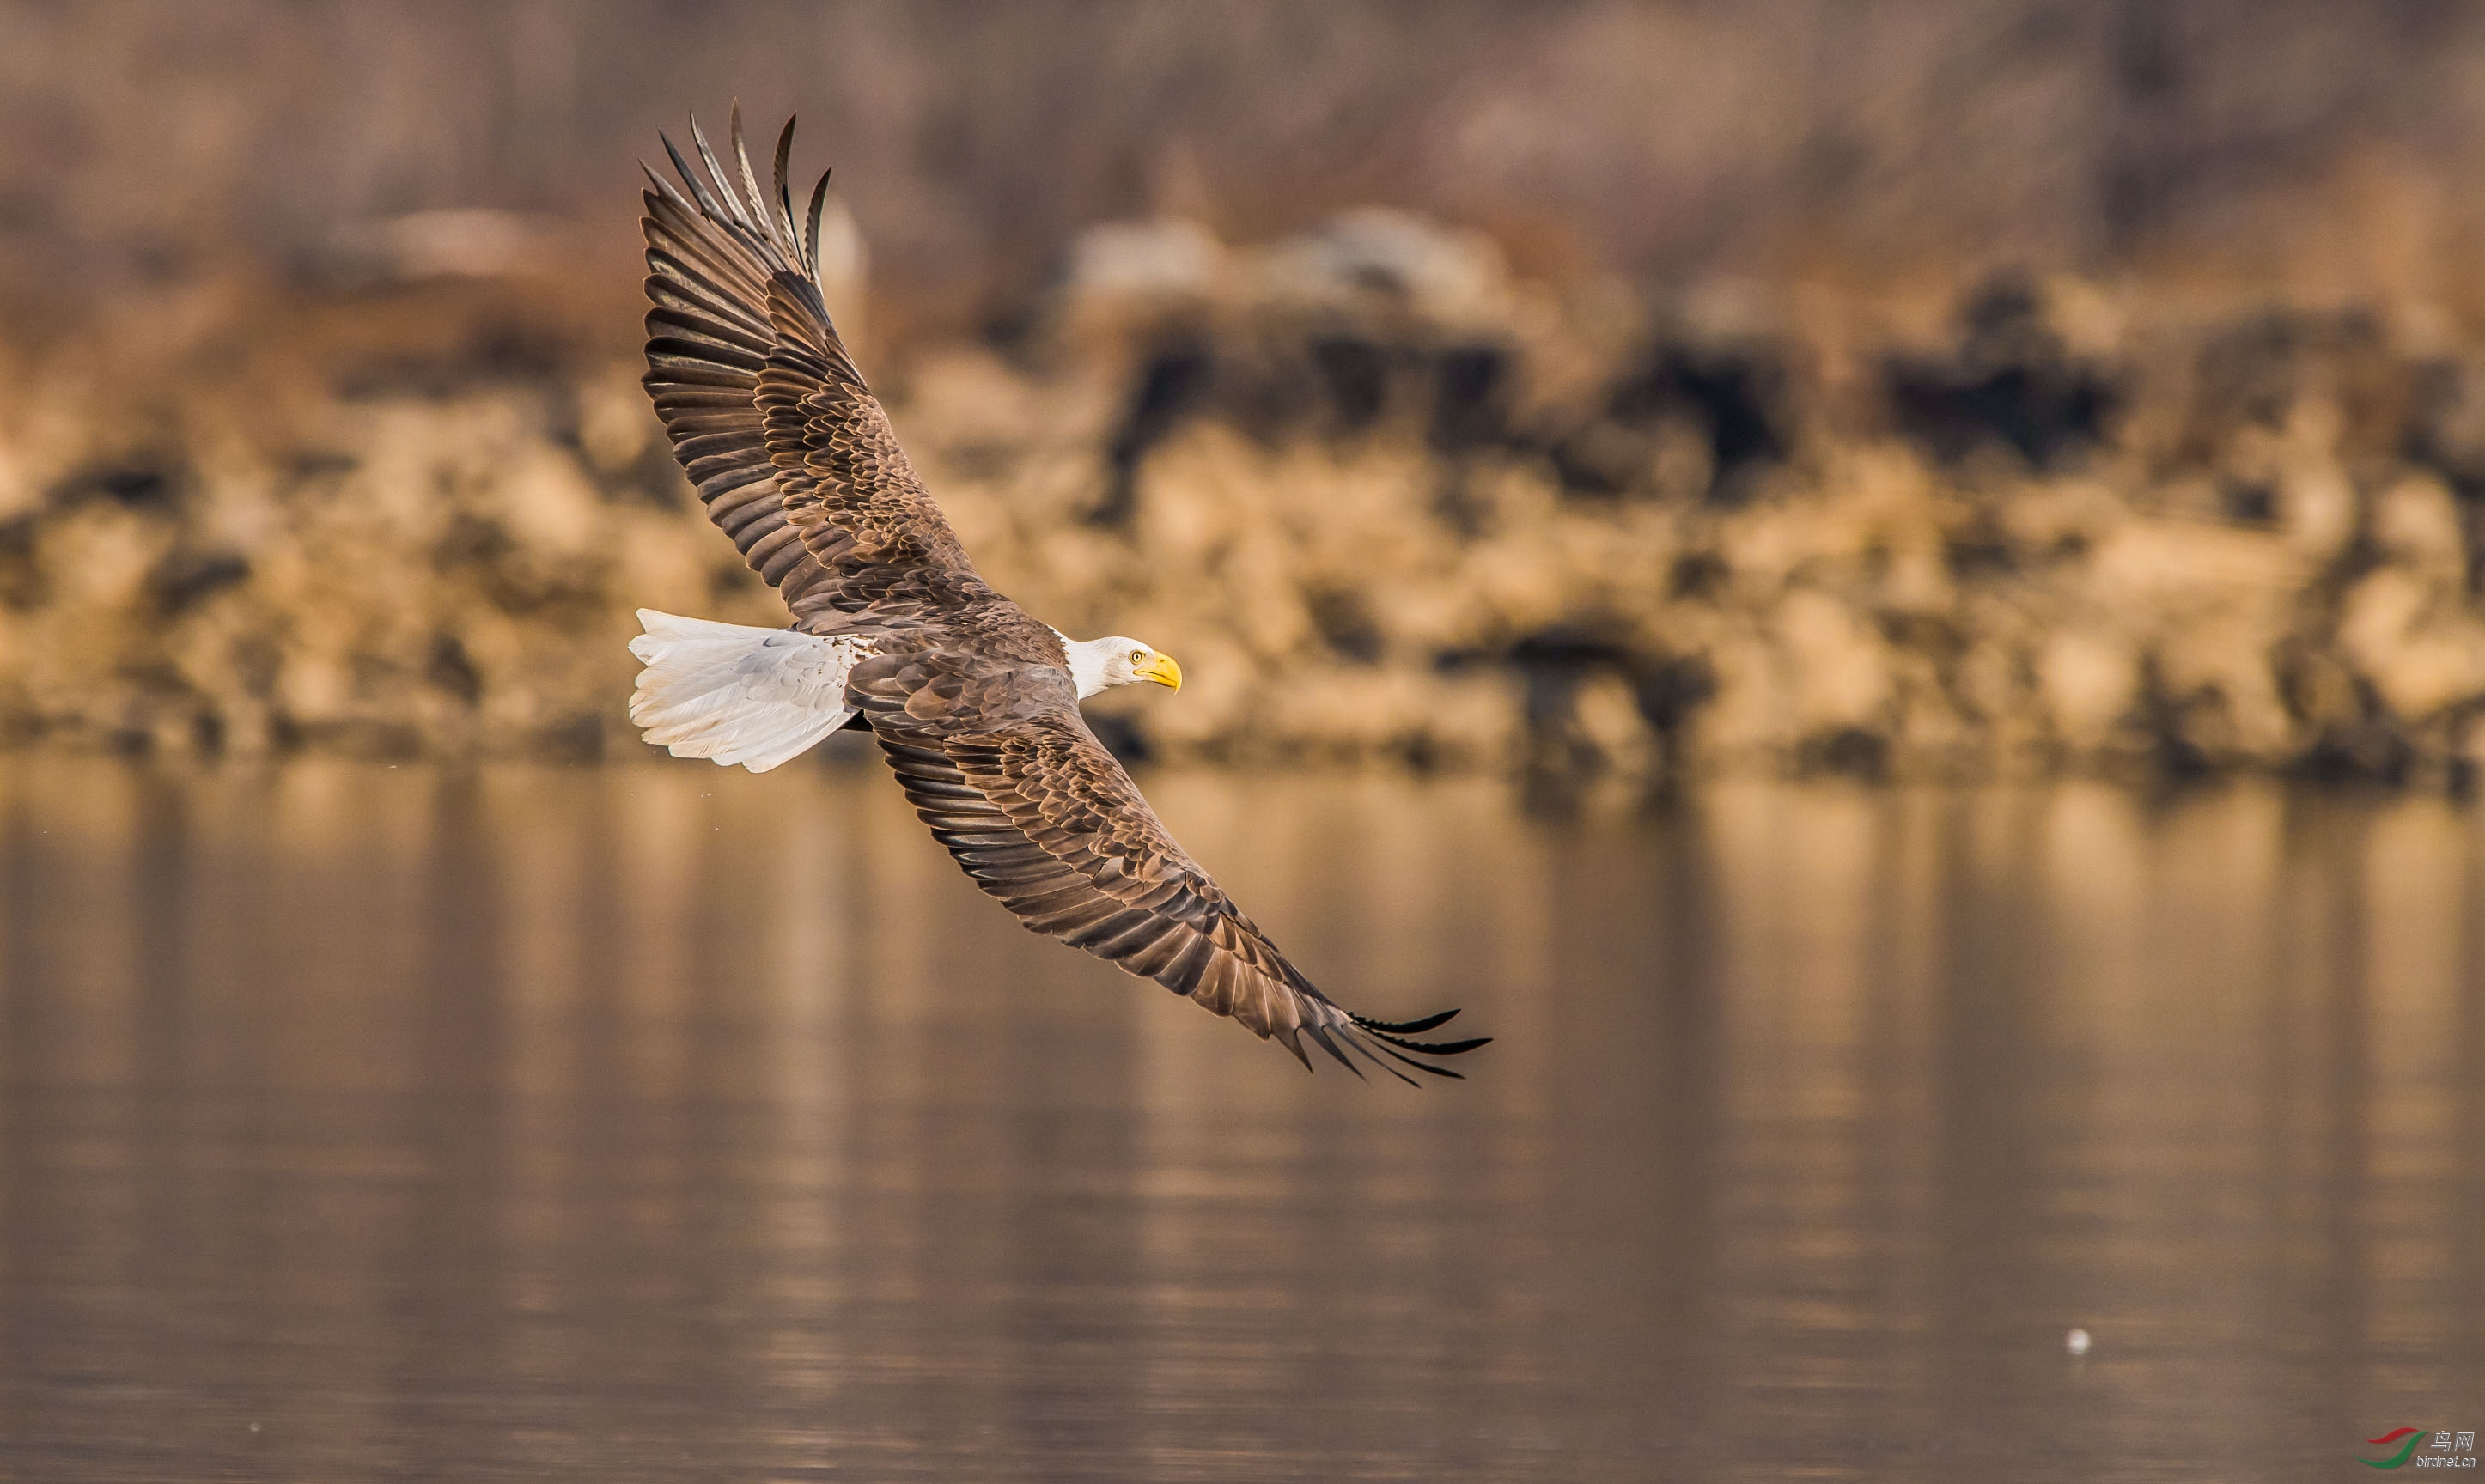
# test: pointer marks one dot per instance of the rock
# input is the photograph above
(2415, 525)
(2421, 655)
(1835, 669)
(1386, 502)
(456, 242)
(1167, 257)
(2089, 683)
(1445, 275)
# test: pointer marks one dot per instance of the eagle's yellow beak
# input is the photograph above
(1162, 669)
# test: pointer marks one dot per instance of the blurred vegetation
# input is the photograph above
(1931, 389)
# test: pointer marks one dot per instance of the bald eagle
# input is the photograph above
(974, 704)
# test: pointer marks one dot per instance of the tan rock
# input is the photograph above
(2089, 682)
(2416, 523)
(1835, 667)
(2421, 656)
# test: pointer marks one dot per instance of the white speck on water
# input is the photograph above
(2076, 1342)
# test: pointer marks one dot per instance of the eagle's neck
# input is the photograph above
(1086, 657)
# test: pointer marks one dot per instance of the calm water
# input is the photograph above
(666, 1124)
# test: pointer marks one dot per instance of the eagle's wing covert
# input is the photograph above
(1043, 817)
(791, 453)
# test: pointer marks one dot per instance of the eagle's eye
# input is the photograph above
(1137, 656)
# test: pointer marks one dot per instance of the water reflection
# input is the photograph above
(658, 1122)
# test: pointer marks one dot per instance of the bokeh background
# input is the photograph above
(1885, 594)
(1931, 390)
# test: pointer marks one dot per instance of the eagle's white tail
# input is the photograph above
(737, 694)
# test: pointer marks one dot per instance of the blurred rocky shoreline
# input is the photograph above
(1388, 500)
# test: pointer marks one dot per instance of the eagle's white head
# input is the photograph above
(1100, 665)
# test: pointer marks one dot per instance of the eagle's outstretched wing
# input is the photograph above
(1042, 816)
(792, 454)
